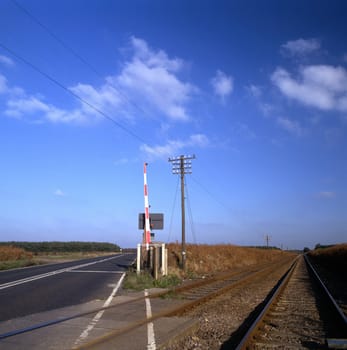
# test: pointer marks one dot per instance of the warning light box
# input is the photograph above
(156, 221)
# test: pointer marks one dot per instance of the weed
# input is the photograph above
(144, 280)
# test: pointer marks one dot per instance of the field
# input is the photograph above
(21, 254)
(332, 258)
(208, 259)
(12, 257)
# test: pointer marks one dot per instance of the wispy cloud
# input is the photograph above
(7, 61)
(172, 147)
(222, 84)
(152, 77)
(300, 47)
(257, 93)
(320, 86)
(125, 160)
(326, 195)
(148, 80)
(289, 125)
(31, 106)
(3, 84)
(59, 193)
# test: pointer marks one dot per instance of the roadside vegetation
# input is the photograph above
(208, 259)
(144, 280)
(331, 257)
(21, 254)
(66, 247)
(202, 261)
(14, 257)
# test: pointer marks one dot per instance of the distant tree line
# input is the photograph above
(263, 247)
(55, 247)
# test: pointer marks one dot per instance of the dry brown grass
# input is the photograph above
(333, 258)
(10, 253)
(209, 259)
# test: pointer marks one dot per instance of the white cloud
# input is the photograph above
(106, 98)
(150, 58)
(289, 125)
(7, 61)
(256, 91)
(3, 85)
(300, 47)
(59, 193)
(147, 81)
(26, 106)
(326, 195)
(172, 147)
(149, 76)
(222, 84)
(320, 86)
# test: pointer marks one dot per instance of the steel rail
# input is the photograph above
(178, 310)
(178, 289)
(242, 279)
(253, 328)
(338, 311)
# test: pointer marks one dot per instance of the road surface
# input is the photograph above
(42, 288)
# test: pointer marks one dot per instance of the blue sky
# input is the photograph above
(90, 90)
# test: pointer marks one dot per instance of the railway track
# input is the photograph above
(300, 314)
(297, 314)
(192, 296)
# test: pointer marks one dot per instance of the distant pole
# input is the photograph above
(182, 165)
(267, 238)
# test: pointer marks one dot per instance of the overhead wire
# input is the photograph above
(56, 82)
(217, 200)
(77, 55)
(173, 210)
(190, 215)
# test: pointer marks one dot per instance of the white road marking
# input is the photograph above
(96, 271)
(56, 272)
(98, 316)
(150, 328)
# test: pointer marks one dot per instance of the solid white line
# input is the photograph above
(150, 328)
(97, 317)
(96, 271)
(56, 272)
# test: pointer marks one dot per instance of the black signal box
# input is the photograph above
(156, 221)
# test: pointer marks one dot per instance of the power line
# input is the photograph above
(56, 82)
(211, 195)
(172, 210)
(190, 214)
(77, 55)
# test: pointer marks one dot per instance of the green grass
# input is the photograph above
(144, 280)
(14, 264)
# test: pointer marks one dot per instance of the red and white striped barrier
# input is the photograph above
(147, 237)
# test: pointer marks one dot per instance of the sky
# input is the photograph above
(257, 91)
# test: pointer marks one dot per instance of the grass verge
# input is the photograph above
(144, 280)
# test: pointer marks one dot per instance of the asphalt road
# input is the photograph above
(30, 290)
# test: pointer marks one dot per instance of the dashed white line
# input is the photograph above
(98, 316)
(150, 327)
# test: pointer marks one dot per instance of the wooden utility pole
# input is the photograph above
(267, 238)
(182, 165)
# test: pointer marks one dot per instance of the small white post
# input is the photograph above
(163, 260)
